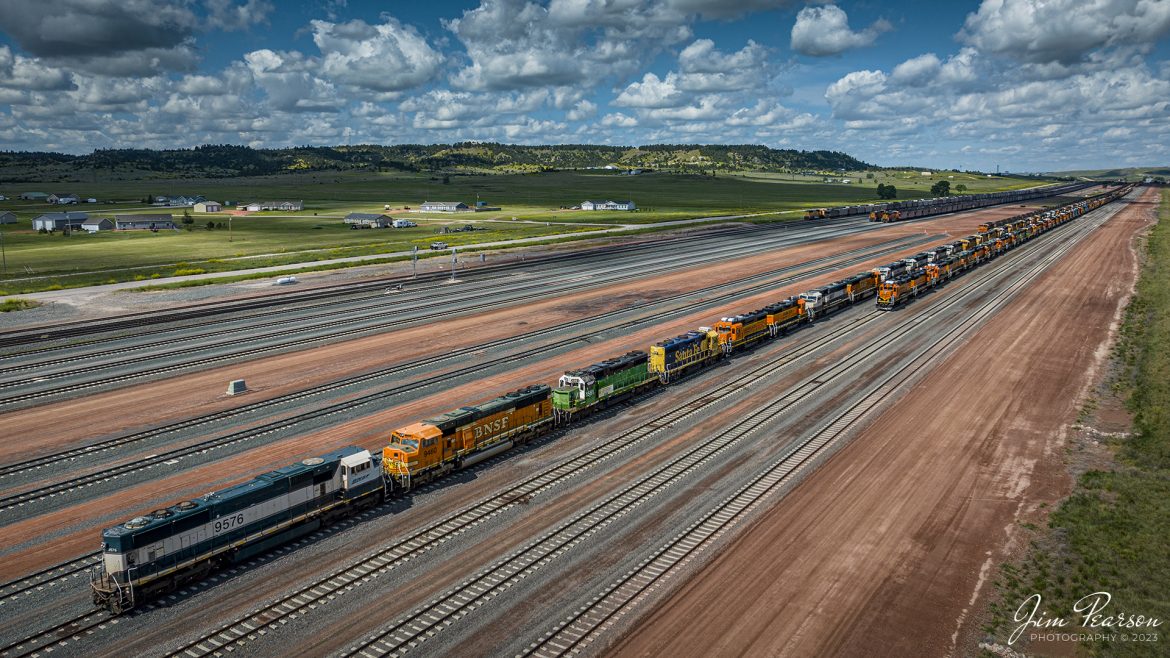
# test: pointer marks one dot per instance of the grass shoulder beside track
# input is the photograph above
(17, 304)
(1110, 534)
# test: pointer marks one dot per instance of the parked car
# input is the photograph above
(437, 246)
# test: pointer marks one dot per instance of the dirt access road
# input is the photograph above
(887, 549)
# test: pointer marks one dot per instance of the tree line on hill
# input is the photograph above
(225, 160)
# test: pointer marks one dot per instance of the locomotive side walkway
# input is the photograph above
(888, 546)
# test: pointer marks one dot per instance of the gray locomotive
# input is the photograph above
(157, 553)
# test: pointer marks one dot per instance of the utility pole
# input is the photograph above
(229, 228)
(454, 262)
(414, 262)
(3, 255)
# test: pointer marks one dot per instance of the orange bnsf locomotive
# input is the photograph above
(434, 447)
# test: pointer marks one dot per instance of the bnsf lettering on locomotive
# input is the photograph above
(488, 429)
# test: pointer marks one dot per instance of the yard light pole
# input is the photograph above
(3, 255)
(229, 228)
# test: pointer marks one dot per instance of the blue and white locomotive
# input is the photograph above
(159, 552)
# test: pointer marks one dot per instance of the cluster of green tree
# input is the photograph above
(887, 191)
(225, 160)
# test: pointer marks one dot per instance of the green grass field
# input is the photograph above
(38, 262)
(1111, 533)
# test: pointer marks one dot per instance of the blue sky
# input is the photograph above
(1026, 85)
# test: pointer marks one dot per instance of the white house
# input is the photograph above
(63, 199)
(208, 206)
(607, 205)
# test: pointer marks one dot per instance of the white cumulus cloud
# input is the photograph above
(386, 57)
(1063, 30)
(822, 31)
(652, 91)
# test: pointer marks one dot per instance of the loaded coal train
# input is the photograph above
(167, 548)
(896, 211)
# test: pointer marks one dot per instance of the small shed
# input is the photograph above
(7, 217)
(208, 206)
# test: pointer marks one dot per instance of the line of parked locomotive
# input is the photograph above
(895, 211)
(167, 548)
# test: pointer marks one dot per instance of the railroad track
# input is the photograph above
(60, 635)
(549, 286)
(487, 508)
(631, 590)
(128, 321)
(440, 613)
(273, 615)
(306, 598)
(45, 578)
(540, 290)
(195, 311)
(356, 291)
(61, 487)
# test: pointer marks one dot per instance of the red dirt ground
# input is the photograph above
(886, 548)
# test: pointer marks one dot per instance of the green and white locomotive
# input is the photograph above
(581, 392)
